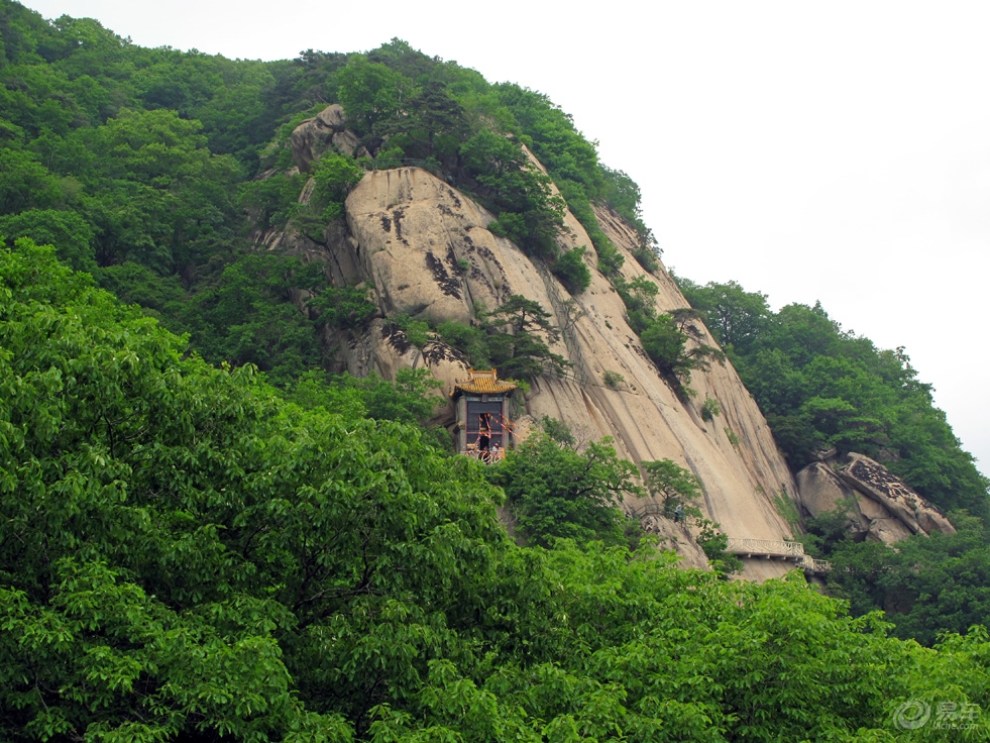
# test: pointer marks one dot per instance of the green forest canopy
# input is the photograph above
(186, 554)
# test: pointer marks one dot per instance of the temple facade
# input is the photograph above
(481, 409)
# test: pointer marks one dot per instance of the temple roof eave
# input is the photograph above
(483, 383)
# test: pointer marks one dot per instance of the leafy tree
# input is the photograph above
(672, 485)
(648, 257)
(927, 586)
(529, 212)
(470, 340)
(335, 176)
(272, 201)
(666, 345)
(25, 183)
(710, 408)
(610, 260)
(554, 138)
(249, 316)
(558, 431)
(557, 492)
(163, 297)
(839, 423)
(416, 332)
(71, 235)
(344, 307)
(411, 398)
(623, 195)
(370, 93)
(828, 531)
(639, 296)
(433, 125)
(162, 199)
(487, 152)
(714, 543)
(737, 318)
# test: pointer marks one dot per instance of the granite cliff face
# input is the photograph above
(426, 250)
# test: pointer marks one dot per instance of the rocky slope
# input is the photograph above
(426, 250)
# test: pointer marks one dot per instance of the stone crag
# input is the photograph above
(426, 251)
(877, 504)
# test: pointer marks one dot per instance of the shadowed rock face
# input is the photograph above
(880, 506)
(426, 250)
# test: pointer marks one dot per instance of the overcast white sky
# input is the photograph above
(833, 151)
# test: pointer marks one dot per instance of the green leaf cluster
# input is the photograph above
(519, 333)
(572, 271)
(671, 485)
(665, 340)
(334, 175)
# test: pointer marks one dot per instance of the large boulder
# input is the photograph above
(325, 131)
(877, 504)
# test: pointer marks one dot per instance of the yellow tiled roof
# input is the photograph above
(483, 382)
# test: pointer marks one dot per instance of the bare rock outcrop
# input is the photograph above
(325, 131)
(878, 504)
(677, 537)
(426, 250)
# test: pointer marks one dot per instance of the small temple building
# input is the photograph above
(482, 426)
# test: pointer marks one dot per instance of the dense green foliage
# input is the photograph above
(926, 586)
(572, 271)
(665, 340)
(141, 166)
(823, 387)
(184, 554)
(557, 492)
(672, 487)
(519, 331)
